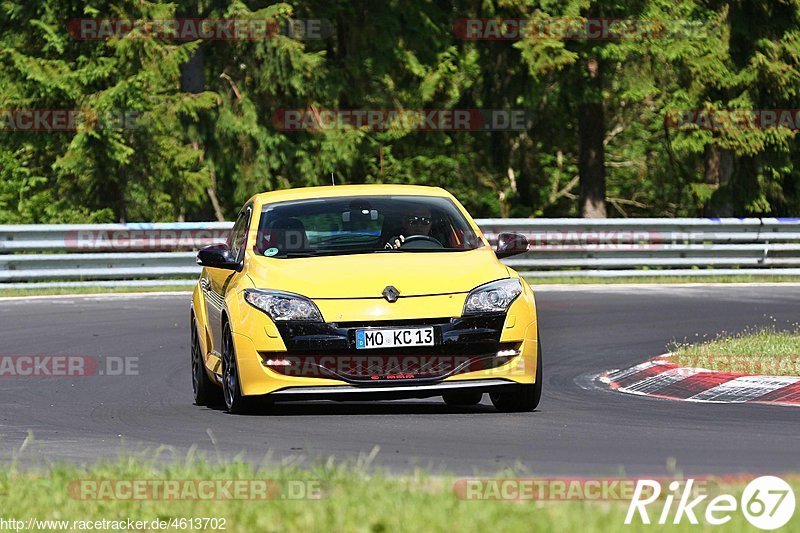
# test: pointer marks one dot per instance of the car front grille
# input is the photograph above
(328, 350)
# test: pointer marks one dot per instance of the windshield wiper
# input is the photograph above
(355, 237)
(289, 255)
(322, 253)
(422, 250)
(298, 254)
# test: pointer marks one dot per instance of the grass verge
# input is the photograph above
(351, 498)
(34, 291)
(764, 351)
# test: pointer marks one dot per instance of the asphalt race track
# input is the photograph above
(577, 430)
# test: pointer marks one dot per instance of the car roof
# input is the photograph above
(329, 191)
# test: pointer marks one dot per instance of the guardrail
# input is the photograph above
(155, 254)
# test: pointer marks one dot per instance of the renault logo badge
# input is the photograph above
(391, 294)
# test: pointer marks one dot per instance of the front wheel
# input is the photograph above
(522, 398)
(235, 402)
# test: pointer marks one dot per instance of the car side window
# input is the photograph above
(238, 235)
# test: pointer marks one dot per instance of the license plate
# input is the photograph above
(393, 338)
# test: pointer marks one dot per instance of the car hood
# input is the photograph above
(366, 275)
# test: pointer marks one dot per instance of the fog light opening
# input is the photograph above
(508, 353)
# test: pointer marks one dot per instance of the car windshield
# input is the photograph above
(363, 224)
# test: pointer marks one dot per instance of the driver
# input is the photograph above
(417, 221)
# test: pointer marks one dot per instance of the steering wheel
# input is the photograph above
(421, 241)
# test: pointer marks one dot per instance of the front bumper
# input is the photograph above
(257, 378)
(324, 359)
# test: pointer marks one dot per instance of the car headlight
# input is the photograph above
(494, 297)
(281, 306)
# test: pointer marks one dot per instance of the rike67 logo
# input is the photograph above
(767, 502)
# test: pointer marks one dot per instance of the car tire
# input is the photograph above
(235, 402)
(462, 398)
(522, 398)
(206, 393)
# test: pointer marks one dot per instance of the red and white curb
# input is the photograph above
(662, 378)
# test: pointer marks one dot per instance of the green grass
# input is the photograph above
(764, 351)
(34, 291)
(354, 498)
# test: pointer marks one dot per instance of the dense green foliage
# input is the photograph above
(199, 149)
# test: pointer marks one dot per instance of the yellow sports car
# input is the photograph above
(362, 292)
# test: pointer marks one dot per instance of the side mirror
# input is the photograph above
(217, 256)
(509, 244)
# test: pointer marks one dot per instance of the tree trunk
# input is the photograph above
(192, 73)
(212, 194)
(193, 81)
(591, 132)
(718, 169)
(120, 188)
